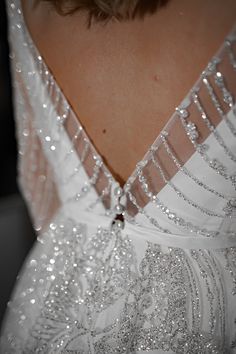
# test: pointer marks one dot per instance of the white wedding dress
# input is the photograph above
(150, 267)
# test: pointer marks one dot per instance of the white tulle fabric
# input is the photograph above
(162, 279)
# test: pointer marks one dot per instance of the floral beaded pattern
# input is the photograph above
(158, 304)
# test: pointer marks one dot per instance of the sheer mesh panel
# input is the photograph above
(36, 177)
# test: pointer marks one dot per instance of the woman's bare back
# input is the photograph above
(125, 79)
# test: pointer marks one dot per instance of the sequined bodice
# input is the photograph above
(147, 253)
(79, 175)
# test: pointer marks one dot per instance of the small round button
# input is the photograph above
(118, 191)
(119, 208)
(117, 223)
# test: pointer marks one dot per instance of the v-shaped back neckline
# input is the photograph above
(184, 104)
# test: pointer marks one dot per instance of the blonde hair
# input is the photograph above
(103, 10)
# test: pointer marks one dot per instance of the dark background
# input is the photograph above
(16, 233)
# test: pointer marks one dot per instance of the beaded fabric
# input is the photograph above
(150, 267)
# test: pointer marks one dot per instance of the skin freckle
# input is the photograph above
(156, 77)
